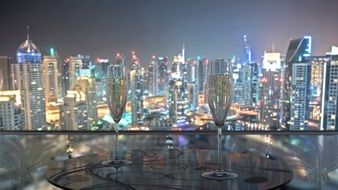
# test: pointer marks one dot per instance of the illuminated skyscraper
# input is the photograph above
(163, 75)
(136, 88)
(28, 78)
(247, 58)
(296, 87)
(152, 77)
(271, 84)
(329, 107)
(101, 69)
(74, 115)
(75, 65)
(246, 78)
(192, 84)
(5, 73)
(316, 89)
(87, 85)
(51, 77)
(178, 88)
(11, 115)
(64, 77)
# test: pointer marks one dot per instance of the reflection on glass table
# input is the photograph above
(167, 169)
(312, 159)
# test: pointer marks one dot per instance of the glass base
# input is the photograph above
(219, 175)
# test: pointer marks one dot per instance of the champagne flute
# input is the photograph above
(116, 92)
(219, 100)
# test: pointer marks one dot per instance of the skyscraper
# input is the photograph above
(5, 73)
(178, 88)
(65, 77)
(247, 58)
(152, 77)
(74, 115)
(163, 79)
(270, 85)
(300, 92)
(51, 78)
(28, 78)
(246, 78)
(11, 114)
(192, 84)
(75, 64)
(136, 75)
(101, 69)
(87, 85)
(329, 107)
(294, 89)
(316, 89)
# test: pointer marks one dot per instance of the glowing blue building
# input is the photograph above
(28, 78)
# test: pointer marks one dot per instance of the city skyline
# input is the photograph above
(209, 29)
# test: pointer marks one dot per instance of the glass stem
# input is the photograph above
(116, 145)
(219, 139)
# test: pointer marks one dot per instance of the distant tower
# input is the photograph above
(163, 79)
(178, 87)
(5, 73)
(75, 64)
(247, 51)
(136, 88)
(28, 78)
(152, 77)
(51, 77)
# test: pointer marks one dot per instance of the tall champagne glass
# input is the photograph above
(116, 92)
(219, 100)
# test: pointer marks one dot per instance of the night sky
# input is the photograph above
(212, 28)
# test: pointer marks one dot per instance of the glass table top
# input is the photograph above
(29, 161)
(168, 169)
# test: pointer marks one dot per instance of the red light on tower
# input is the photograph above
(153, 56)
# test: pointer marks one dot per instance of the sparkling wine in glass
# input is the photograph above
(116, 93)
(219, 100)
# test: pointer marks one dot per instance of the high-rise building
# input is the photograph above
(152, 77)
(51, 78)
(300, 93)
(270, 89)
(5, 73)
(163, 75)
(329, 107)
(87, 85)
(64, 77)
(75, 65)
(247, 58)
(28, 78)
(192, 84)
(11, 115)
(74, 115)
(250, 81)
(246, 71)
(177, 96)
(316, 89)
(294, 89)
(136, 77)
(101, 69)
